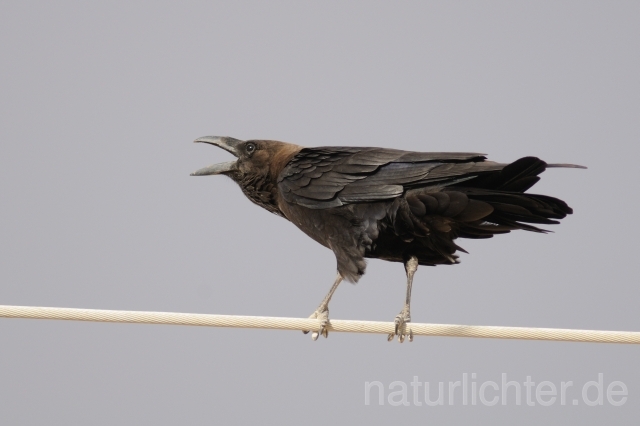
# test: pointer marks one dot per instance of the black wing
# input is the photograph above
(333, 176)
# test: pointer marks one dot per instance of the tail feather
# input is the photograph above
(492, 203)
(510, 207)
(521, 175)
(515, 210)
(479, 207)
(518, 176)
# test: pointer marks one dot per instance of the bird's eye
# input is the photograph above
(250, 148)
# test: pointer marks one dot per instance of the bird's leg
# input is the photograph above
(322, 313)
(411, 266)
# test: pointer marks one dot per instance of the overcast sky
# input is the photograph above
(99, 106)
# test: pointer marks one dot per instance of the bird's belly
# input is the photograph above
(311, 222)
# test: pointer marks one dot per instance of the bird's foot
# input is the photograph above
(322, 315)
(401, 321)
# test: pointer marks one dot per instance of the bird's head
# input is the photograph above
(257, 167)
(254, 157)
(243, 150)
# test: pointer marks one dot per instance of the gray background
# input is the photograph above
(99, 105)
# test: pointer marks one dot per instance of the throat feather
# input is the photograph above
(261, 192)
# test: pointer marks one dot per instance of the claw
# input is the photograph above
(401, 331)
(322, 315)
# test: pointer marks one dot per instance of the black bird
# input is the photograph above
(388, 204)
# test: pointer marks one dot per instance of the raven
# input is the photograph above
(388, 204)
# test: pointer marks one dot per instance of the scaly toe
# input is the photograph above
(324, 331)
(401, 321)
(322, 315)
(312, 316)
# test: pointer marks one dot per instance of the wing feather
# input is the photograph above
(332, 176)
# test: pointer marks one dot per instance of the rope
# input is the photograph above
(343, 326)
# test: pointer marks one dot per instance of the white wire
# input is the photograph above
(344, 326)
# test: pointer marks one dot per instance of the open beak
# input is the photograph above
(226, 143)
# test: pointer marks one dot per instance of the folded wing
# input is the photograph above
(333, 176)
